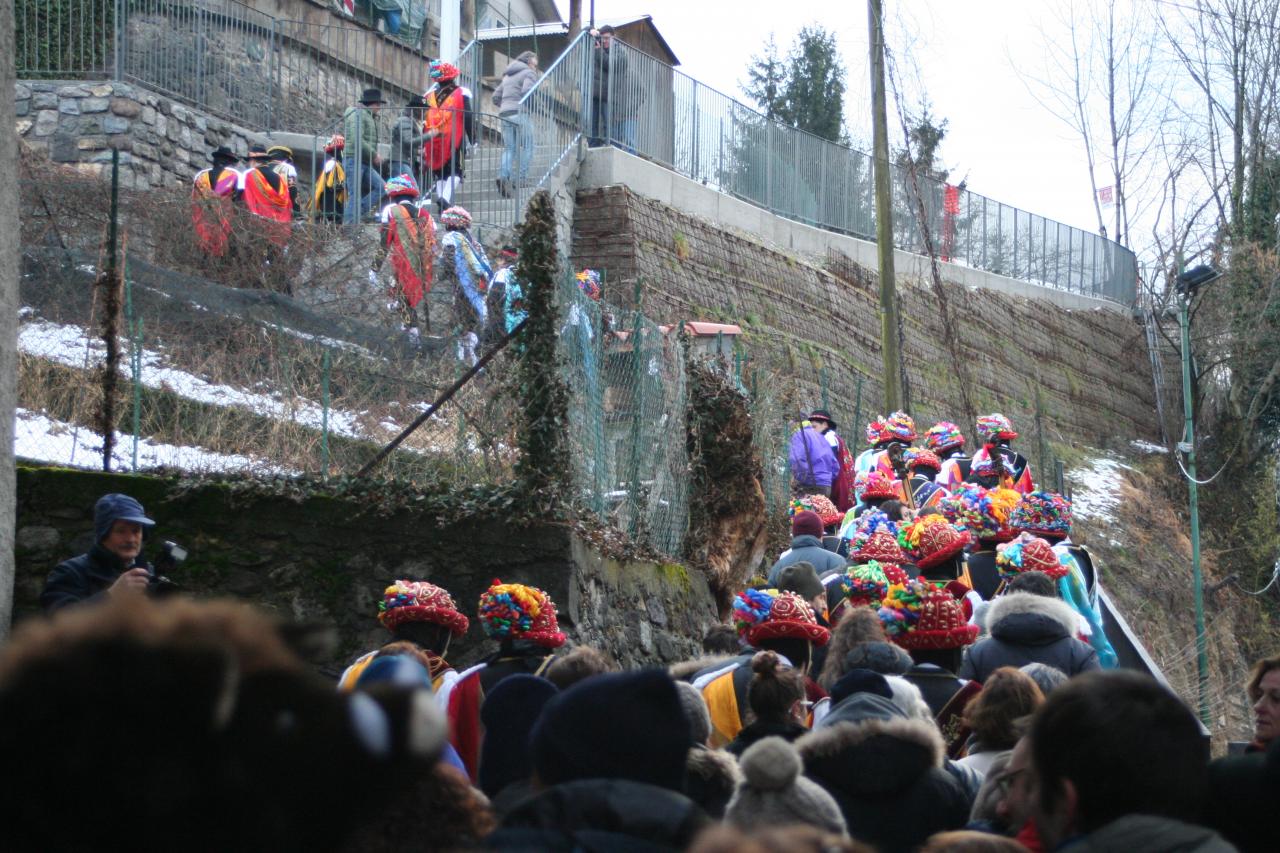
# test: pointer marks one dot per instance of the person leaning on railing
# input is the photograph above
(360, 158)
(608, 74)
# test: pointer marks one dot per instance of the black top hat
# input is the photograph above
(822, 415)
(223, 154)
(372, 96)
(417, 101)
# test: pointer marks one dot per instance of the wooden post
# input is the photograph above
(884, 215)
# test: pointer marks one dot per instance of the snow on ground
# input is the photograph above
(67, 345)
(1147, 447)
(1095, 490)
(47, 440)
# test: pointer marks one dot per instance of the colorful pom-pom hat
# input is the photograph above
(865, 585)
(766, 614)
(995, 427)
(918, 615)
(518, 612)
(1028, 553)
(931, 540)
(589, 283)
(917, 456)
(875, 484)
(456, 217)
(419, 601)
(983, 512)
(943, 436)
(820, 505)
(876, 538)
(1042, 513)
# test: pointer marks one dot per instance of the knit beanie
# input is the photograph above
(627, 725)
(774, 793)
(802, 579)
(695, 711)
(509, 712)
(117, 507)
(806, 523)
(860, 681)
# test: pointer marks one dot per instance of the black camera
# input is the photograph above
(171, 556)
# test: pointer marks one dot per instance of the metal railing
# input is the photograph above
(646, 107)
(221, 56)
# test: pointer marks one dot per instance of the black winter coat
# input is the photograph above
(759, 730)
(601, 815)
(1025, 629)
(888, 779)
(84, 578)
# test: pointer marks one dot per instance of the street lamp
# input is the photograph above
(1188, 283)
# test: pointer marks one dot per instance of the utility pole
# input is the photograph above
(1188, 446)
(884, 214)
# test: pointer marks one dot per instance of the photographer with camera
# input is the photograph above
(114, 565)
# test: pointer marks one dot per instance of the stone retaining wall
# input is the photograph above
(162, 143)
(327, 561)
(812, 322)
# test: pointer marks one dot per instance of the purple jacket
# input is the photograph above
(813, 462)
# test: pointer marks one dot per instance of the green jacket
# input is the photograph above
(360, 129)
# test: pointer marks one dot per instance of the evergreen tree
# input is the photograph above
(815, 85)
(807, 89)
(766, 80)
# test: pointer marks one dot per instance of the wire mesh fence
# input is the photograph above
(627, 417)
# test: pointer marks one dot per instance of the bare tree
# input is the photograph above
(1102, 81)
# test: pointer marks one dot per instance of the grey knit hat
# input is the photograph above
(773, 793)
(695, 711)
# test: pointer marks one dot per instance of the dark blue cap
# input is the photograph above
(117, 507)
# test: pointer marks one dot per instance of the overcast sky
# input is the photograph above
(973, 59)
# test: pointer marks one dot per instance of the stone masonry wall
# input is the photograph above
(805, 318)
(162, 143)
(327, 561)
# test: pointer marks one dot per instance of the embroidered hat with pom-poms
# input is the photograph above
(456, 218)
(518, 612)
(995, 427)
(875, 537)
(419, 601)
(1042, 513)
(872, 485)
(933, 618)
(931, 540)
(983, 512)
(918, 457)
(865, 585)
(766, 614)
(943, 436)
(1028, 553)
(877, 432)
(819, 504)
(901, 426)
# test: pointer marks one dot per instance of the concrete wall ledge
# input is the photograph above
(610, 166)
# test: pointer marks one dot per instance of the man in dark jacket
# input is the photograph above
(608, 76)
(114, 565)
(1118, 762)
(1028, 628)
(806, 547)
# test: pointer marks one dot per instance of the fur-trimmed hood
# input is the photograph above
(1023, 618)
(872, 758)
(685, 670)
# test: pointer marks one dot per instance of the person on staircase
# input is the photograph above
(407, 140)
(449, 128)
(360, 157)
(517, 130)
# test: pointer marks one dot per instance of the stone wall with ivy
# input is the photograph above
(811, 328)
(324, 555)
